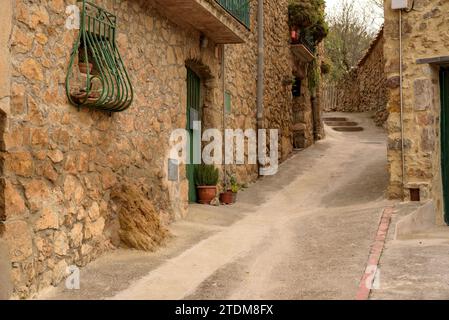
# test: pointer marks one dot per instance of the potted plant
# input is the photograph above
(206, 179)
(83, 64)
(230, 195)
(235, 188)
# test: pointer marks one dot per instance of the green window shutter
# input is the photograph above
(228, 102)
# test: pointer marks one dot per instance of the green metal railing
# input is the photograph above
(103, 83)
(240, 9)
(305, 39)
(308, 43)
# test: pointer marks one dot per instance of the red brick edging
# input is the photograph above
(374, 256)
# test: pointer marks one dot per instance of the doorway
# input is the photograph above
(444, 83)
(193, 114)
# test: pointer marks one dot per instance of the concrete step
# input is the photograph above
(348, 129)
(335, 119)
(341, 123)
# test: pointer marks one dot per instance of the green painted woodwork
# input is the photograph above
(240, 9)
(193, 102)
(444, 82)
(228, 102)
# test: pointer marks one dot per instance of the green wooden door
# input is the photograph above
(444, 82)
(193, 111)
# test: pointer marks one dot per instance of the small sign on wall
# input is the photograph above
(173, 170)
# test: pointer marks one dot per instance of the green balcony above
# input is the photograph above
(223, 21)
(239, 9)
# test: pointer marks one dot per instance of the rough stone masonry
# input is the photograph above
(59, 164)
(425, 34)
(364, 88)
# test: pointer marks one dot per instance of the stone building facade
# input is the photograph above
(59, 164)
(308, 124)
(425, 35)
(364, 88)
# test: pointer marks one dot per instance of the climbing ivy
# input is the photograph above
(313, 77)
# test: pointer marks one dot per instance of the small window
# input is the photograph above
(228, 102)
(296, 89)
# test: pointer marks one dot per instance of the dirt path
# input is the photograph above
(303, 234)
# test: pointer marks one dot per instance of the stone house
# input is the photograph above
(60, 163)
(417, 102)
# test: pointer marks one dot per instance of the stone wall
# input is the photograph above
(425, 34)
(364, 88)
(241, 83)
(308, 124)
(60, 163)
(303, 119)
(278, 74)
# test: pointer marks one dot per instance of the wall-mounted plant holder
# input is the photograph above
(97, 77)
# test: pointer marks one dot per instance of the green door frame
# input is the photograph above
(444, 89)
(193, 102)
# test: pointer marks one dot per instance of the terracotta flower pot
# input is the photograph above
(84, 67)
(206, 194)
(227, 197)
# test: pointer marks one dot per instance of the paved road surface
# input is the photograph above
(302, 234)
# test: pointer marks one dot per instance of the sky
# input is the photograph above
(333, 5)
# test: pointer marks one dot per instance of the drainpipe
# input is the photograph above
(260, 69)
(401, 90)
(223, 75)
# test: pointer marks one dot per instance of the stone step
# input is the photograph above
(341, 123)
(348, 129)
(335, 119)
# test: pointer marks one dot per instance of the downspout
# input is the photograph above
(223, 75)
(260, 69)
(401, 90)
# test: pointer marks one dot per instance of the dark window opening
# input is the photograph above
(296, 89)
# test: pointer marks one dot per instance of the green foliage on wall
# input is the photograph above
(308, 17)
(313, 77)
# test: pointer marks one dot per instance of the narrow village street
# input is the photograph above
(137, 138)
(302, 234)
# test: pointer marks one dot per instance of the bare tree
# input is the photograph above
(378, 3)
(350, 33)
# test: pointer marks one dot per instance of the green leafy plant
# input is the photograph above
(206, 175)
(308, 17)
(234, 186)
(313, 77)
(83, 58)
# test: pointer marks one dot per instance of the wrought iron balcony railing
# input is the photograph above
(240, 9)
(298, 38)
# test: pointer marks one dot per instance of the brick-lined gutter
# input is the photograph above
(373, 260)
